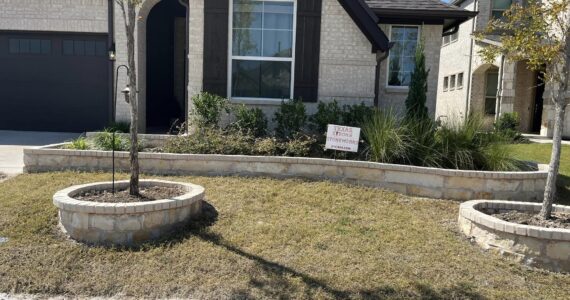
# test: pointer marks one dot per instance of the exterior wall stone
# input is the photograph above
(410, 180)
(54, 15)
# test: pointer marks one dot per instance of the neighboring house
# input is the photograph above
(467, 84)
(60, 59)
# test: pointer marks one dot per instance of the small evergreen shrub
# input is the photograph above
(300, 146)
(327, 113)
(291, 118)
(208, 109)
(78, 144)
(250, 121)
(508, 128)
(119, 127)
(211, 141)
(104, 141)
(355, 115)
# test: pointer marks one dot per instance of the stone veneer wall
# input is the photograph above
(416, 181)
(54, 15)
(534, 246)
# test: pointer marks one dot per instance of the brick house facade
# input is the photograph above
(179, 54)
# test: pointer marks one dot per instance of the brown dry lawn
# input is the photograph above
(265, 238)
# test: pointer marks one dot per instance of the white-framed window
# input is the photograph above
(452, 38)
(262, 49)
(452, 82)
(460, 81)
(402, 55)
(499, 7)
(445, 83)
(491, 88)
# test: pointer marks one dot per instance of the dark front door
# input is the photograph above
(538, 104)
(53, 82)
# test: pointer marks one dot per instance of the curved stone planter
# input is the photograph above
(125, 223)
(547, 248)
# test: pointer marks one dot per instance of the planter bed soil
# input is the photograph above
(151, 193)
(559, 220)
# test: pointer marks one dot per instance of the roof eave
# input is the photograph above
(367, 21)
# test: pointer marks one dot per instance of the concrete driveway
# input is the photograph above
(13, 143)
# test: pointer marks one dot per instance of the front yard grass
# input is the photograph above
(541, 153)
(265, 238)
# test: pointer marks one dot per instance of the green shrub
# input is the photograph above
(423, 147)
(104, 141)
(267, 147)
(355, 115)
(119, 127)
(508, 128)
(78, 144)
(327, 113)
(211, 141)
(291, 118)
(250, 121)
(208, 109)
(386, 139)
(300, 146)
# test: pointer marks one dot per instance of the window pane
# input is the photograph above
(502, 4)
(35, 46)
(402, 55)
(460, 80)
(492, 84)
(67, 47)
(445, 83)
(247, 42)
(261, 79)
(90, 48)
(277, 43)
(79, 48)
(247, 14)
(452, 82)
(278, 15)
(46, 46)
(14, 46)
(24, 46)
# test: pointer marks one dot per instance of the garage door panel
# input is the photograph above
(53, 90)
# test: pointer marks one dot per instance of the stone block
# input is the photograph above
(476, 184)
(558, 250)
(80, 221)
(363, 174)
(498, 185)
(457, 194)
(102, 222)
(128, 223)
(153, 220)
(425, 180)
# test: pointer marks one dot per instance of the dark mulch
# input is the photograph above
(559, 220)
(123, 196)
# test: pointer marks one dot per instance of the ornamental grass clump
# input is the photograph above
(387, 140)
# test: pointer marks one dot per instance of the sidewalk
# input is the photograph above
(535, 138)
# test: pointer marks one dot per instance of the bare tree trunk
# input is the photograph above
(550, 189)
(130, 22)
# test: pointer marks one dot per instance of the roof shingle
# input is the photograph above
(432, 5)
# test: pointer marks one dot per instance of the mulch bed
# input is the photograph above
(559, 220)
(122, 196)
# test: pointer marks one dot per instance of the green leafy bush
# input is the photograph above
(291, 118)
(508, 127)
(250, 121)
(300, 146)
(208, 109)
(104, 141)
(327, 113)
(356, 115)
(212, 141)
(78, 144)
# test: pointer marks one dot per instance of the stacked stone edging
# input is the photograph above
(547, 248)
(409, 180)
(125, 223)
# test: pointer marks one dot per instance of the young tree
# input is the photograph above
(539, 34)
(416, 100)
(129, 10)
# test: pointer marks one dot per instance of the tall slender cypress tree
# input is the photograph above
(416, 101)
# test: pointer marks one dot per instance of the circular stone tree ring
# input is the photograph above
(125, 223)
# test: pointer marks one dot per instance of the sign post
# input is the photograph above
(342, 138)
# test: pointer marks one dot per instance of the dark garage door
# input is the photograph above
(53, 82)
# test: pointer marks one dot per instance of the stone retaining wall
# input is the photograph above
(534, 246)
(125, 223)
(409, 180)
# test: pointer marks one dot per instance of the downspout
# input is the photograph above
(186, 63)
(111, 51)
(470, 78)
(500, 89)
(380, 57)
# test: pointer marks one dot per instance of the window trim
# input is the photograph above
(261, 58)
(451, 41)
(452, 82)
(446, 83)
(457, 86)
(399, 87)
(496, 96)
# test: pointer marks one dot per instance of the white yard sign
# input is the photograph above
(343, 138)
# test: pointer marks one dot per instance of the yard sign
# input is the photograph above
(343, 138)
